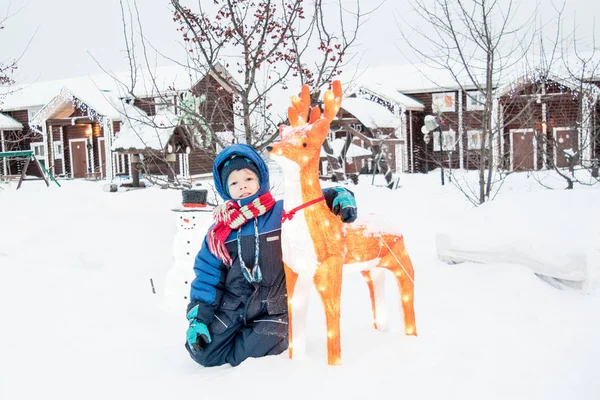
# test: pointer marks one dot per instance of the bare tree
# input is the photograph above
(574, 147)
(197, 116)
(267, 45)
(12, 140)
(475, 41)
(335, 40)
(277, 42)
(9, 65)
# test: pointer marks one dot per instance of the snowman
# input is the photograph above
(193, 219)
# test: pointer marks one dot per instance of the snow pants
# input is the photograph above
(235, 338)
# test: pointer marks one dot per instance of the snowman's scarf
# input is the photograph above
(230, 216)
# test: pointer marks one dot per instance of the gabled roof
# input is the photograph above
(424, 78)
(9, 124)
(385, 93)
(141, 132)
(406, 79)
(97, 104)
(528, 78)
(370, 114)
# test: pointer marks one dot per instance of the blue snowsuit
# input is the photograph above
(244, 319)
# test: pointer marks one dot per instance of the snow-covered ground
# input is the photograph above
(79, 319)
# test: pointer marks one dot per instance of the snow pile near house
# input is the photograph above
(549, 232)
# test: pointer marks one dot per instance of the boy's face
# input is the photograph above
(242, 183)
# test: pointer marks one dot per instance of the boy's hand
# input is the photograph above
(197, 334)
(341, 202)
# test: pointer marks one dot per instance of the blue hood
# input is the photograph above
(250, 153)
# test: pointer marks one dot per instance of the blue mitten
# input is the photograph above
(341, 201)
(197, 334)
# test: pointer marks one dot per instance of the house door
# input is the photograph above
(566, 142)
(102, 156)
(79, 163)
(523, 150)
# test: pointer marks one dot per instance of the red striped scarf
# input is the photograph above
(231, 216)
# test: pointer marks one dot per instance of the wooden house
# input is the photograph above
(378, 119)
(71, 124)
(547, 122)
(168, 142)
(536, 116)
(73, 130)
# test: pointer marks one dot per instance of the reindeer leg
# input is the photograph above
(398, 261)
(298, 289)
(290, 282)
(376, 282)
(328, 281)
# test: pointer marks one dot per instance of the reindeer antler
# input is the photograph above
(332, 100)
(298, 112)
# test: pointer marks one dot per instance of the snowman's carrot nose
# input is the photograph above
(187, 221)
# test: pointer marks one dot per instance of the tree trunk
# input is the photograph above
(336, 166)
(384, 166)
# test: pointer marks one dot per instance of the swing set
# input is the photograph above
(28, 156)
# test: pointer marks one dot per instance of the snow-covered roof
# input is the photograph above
(409, 78)
(97, 103)
(149, 83)
(9, 124)
(353, 150)
(141, 132)
(370, 114)
(531, 76)
(387, 93)
(423, 78)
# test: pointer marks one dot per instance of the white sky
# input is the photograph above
(70, 32)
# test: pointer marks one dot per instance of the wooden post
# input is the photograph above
(41, 169)
(170, 159)
(135, 172)
(23, 173)
(3, 149)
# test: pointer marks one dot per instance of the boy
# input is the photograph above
(238, 306)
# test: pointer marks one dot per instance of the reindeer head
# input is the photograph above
(301, 141)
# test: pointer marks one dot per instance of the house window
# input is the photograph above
(448, 143)
(32, 111)
(38, 150)
(58, 150)
(443, 102)
(475, 100)
(474, 139)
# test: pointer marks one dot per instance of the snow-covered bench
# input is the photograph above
(553, 233)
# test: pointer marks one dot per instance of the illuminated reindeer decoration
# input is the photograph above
(317, 245)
